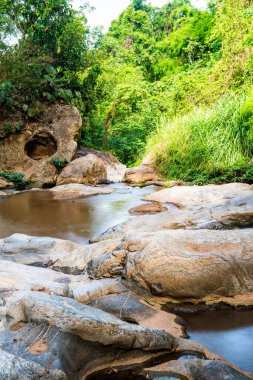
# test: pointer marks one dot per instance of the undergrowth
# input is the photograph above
(208, 145)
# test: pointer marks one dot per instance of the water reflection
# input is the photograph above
(37, 213)
(228, 333)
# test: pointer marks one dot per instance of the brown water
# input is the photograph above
(37, 213)
(227, 333)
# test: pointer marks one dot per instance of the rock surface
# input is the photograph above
(148, 208)
(69, 311)
(197, 196)
(30, 150)
(196, 369)
(183, 264)
(143, 173)
(225, 214)
(3, 194)
(75, 190)
(4, 184)
(115, 170)
(83, 170)
(57, 254)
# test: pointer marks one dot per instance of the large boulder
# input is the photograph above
(183, 264)
(83, 170)
(115, 170)
(143, 173)
(30, 150)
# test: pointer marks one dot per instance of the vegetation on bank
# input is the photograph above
(175, 81)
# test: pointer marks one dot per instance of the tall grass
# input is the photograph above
(206, 144)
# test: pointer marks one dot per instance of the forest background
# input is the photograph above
(174, 82)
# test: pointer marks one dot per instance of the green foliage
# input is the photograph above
(59, 164)
(12, 128)
(16, 178)
(52, 49)
(207, 144)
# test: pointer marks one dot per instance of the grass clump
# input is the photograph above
(207, 145)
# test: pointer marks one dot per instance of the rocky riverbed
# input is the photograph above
(114, 309)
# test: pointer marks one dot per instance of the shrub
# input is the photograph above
(59, 164)
(16, 178)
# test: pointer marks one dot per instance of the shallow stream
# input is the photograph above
(228, 333)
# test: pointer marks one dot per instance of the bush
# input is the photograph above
(17, 179)
(59, 164)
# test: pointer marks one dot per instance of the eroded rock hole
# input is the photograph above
(41, 145)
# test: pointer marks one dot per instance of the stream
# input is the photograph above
(228, 333)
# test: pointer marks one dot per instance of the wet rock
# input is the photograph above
(197, 196)
(181, 264)
(143, 173)
(57, 254)
(224, 214)
(193, 369)
(83, 170)
(148, 208)
(115, 170)
(75, 190)
(51, 136)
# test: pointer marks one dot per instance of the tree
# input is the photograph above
(52, 42)
(138, 4)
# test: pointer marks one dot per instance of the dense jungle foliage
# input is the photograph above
(174, 81)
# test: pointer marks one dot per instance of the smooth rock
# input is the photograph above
(115, 170)
(143, 173)
(198, 369)
(225, 214)
(197, 196)
(75, 190)
(83, 170)
(57, 254)
(183, 263)
(132, 308)
(148, 208)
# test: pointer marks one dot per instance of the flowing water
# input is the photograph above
(228, 333)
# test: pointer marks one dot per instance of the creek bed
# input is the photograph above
(228, 333)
